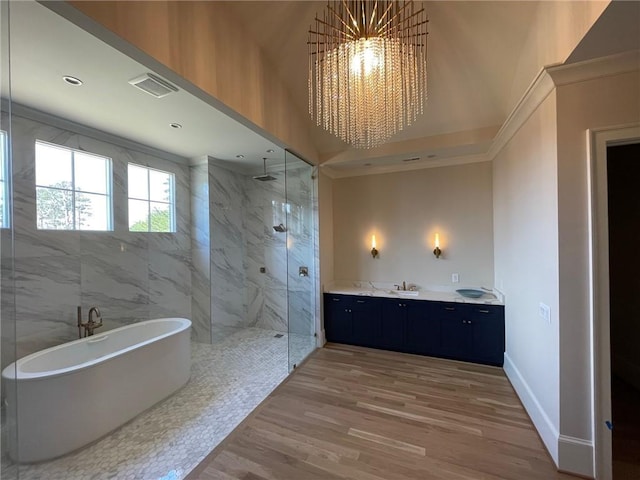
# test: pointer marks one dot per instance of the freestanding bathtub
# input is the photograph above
(68, 396)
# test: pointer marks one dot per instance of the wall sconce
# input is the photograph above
(436, 251)
(374, 251)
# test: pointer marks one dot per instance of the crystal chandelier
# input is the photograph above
(368, 69)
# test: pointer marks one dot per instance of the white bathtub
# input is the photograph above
(71, 395)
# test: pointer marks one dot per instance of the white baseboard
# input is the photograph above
(322, 339)
(576, 456)
(546, 429)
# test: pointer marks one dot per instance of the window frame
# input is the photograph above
(171, 203)
(74, 191)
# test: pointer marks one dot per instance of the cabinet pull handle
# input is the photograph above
(335, 299)
(484, 311)
(449, 308)
(360, 301)
(469, 322)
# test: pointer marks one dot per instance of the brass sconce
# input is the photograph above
(374, 250)
(436, 251)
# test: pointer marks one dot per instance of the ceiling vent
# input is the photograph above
(153, 85)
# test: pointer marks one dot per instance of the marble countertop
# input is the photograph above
(486, 299)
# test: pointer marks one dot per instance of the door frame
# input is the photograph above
(598, 140)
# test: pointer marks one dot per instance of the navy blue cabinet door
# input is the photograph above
(422, 334)
(366, 315)
(338, 319)
(487, 334)
(392, 325)
(456, 331)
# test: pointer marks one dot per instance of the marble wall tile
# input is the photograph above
(200, 253)
(274, 311)
(55, 271)
(228, 302)
(47, 292)
(170, 284)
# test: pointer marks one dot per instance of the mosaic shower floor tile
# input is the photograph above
(228, 380)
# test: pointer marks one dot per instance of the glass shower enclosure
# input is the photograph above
(301, 258)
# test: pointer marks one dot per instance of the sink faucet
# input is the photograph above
(404, 286)
(91, 324)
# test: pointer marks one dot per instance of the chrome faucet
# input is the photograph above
(91, 324)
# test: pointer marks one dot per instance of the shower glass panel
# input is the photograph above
(8, 426)
(301, 268)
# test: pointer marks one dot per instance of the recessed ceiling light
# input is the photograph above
(271, 150)
(76, 82)
(175, 125)
(240, 156)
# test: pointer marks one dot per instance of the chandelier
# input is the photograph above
(367, 69)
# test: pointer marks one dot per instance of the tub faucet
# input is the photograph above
(91, 324)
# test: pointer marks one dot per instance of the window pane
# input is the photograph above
(55, 209)
(160, 217)
(138, 182)
(92, 211)
(91, 173)
(53, 166)
(160, 184)
(138, 216)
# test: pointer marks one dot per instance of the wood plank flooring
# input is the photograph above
(358, 413)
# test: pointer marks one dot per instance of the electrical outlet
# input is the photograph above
(545, 312)
(455, 278)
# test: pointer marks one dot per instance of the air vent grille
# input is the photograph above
(153, 85)
(414, 159)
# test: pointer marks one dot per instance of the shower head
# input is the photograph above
(280, 228)
(264, 177)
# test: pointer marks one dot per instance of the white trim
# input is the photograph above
(575, 455)
(546, 429)
(595, 68)
(537, 92)
(553, 76)
(332, 172)
(598, 140)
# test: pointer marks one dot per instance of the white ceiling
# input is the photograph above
(45, 47)
(474, 49)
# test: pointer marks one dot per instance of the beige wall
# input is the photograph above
(526, 264)
(203, 43)
(608, 101)
(556, 30)
(405, 210)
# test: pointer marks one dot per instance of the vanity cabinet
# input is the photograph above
(461, 331)
(352, 319)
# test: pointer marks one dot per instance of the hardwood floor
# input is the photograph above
(358, 413)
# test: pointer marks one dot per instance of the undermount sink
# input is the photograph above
(405, 293)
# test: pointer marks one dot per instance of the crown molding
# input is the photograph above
(535, 94)
(596, 68)
(335, 173)
(553, 76)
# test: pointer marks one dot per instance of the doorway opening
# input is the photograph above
(623, 178)
(611, 260)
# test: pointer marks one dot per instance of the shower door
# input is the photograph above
(301, 265)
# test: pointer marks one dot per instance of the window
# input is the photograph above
(73, 189)
(4, 186)
(151, 200)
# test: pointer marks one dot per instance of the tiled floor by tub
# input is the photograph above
(228, 380)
